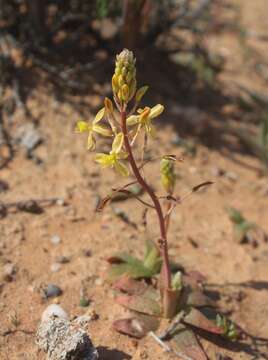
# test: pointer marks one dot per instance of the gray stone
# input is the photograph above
(9, 272)
(29, 136)
(55, 239)
(62, 340)
(55, 267)
(54, 310)
(52, 291)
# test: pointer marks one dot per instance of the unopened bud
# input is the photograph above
(125, 92)
(168, 177)
(108, 105)
(140, 93)
(124, 78)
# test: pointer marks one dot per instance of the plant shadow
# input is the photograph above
(79, 67)
(256, 347)
(252, 284)
(112, 354)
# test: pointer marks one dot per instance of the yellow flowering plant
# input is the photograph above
(178, 295)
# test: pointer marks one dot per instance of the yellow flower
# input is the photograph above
(112, 159)
(144, 119)
(83, 126)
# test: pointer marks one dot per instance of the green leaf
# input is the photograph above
(176, 281)
(128, 265)
(102, 7)
(242, 229)
(235, 215)
(135, 271)
(229, 329)
(152, 258)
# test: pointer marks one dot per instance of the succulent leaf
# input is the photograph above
(185, 341)
(198, 319)
(137, 326)
(144, 304)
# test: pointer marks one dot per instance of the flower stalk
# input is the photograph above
(125, 122)
(163, 245)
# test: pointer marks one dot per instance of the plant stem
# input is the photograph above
(166, 275)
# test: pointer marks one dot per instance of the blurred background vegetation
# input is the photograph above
(71, 43)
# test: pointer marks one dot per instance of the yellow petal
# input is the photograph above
(145, 115)
(122, 155)
(102, 130)
(104, 159)
(132, 120)
(117, 143)
(91, 142)
(156, 111)
(82, 126)
(121, 168)
(150, 129)
(99, 116)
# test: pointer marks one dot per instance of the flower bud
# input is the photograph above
(124, 78)
(125, 92)
(168, 177)
(140, 93)
(108, 105)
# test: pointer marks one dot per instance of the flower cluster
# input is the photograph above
(107, 121)
(124, 79)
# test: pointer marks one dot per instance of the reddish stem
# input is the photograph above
(166, 276)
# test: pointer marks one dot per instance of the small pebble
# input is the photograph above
(83, 320)
(55, 267)
(29, 136)
(60, 202)
(144, 354)
(55, 239)
(99, 282)
(9, 272)
(54, 310)
(52, 291)
(176, 140)
(231, 176)
(86, 252)
(62, 259)
(92, 313)
(3, 186)
(217, 172)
